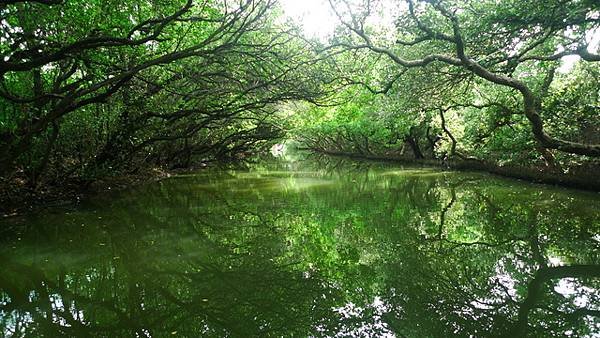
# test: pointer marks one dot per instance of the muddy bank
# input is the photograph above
(17, 198)
(579, 179)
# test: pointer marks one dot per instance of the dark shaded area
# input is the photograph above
(584, 178)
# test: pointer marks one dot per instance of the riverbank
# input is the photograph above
(16, 198)
(576, 179)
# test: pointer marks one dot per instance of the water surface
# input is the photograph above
(308, 248)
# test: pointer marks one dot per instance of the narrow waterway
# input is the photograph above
(314, 247)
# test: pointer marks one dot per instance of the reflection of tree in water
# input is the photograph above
(337, 251)
(159, 282)
(491, 270)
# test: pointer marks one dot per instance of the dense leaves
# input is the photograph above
(483, 79)
(90, 88)
(94, 88)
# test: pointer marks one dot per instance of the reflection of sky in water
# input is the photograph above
(351, 311)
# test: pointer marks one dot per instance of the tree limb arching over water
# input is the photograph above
(96, 95)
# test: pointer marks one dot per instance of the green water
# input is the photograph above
(308, 248)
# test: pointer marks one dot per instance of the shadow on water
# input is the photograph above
(321, 247)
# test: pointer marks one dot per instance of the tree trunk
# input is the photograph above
(414, 145)
(447, 131)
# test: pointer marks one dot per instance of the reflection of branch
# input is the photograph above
(504, 289)
(45, 286)
(262, 221)
(573, 316)
(444, 211)
(534, 290)
(482, 243)
(534, 241)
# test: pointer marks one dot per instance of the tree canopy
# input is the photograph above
(474, 70)
(90, 88)
(86, 85)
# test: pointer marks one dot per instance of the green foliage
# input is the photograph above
(92, 88)
(127, 84)
(477, 78)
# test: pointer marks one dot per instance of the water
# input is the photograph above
(308, 248)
